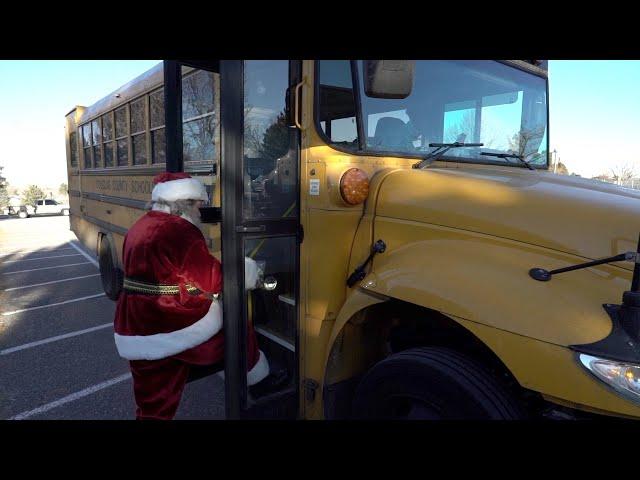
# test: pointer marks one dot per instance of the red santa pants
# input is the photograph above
(158, 384)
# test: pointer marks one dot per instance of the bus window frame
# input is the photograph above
(144, 100)
(125, 136)
(157, 128)
(215, 113)
(362, 152)
(73, 135)
(89, 147)
(98, 144)
(109, 143)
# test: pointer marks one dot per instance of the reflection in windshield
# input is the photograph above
(481, 101)
(484, 102)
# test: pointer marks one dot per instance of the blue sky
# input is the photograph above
(594, 112)
(35, 96)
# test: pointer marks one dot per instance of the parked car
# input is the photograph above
(16, 207)
(50, 206)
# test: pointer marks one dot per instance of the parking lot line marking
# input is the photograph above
(71, 398)
(53, 304)
(88, 257)
(54, 339)
(12, 249)
(45, 268)
(42, 258)
(54, 281)
(24, 234)
(25, 252)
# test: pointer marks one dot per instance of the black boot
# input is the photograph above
(270, 384)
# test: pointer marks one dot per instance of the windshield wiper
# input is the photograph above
(441, 149)
(508, 155)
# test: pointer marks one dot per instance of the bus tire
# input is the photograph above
(112, 277)
(432, 383)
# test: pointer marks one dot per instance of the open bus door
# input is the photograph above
(257, 206)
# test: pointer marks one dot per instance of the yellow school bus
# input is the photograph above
(420, 260)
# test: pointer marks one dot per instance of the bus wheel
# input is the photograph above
(23, 214)
(111, 276)
(432, 383)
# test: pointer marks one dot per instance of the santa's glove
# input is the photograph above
(252, 274)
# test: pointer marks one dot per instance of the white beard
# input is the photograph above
(193, 218)
(195, 221)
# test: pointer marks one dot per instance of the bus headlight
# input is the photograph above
(624, 378)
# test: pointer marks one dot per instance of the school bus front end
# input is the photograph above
(408, 214)
(421, 300)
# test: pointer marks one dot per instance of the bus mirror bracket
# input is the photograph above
(211, 215)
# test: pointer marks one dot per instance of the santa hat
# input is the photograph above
(172, 186)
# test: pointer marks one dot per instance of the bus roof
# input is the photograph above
(130, 90)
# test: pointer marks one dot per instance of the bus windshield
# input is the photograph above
(486, 102)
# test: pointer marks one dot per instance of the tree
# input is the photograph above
(527, 141)
(467, 126)
(63, 189)
(561, 169)
(252, 133)
(4, 194)
(623, 172)
(31, 194)
(275, 142)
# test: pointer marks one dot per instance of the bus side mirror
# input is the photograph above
(388, 78)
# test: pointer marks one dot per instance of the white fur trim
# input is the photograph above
(259, 371)
(163, 345)
(251, 273)
(181, 189)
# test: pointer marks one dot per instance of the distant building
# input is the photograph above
(633, 182)
(604, 178)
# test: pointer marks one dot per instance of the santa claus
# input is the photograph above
(167, 318)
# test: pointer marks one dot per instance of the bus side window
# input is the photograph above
(156, 112)
(86, 145)
(73, 144)
(122, 132)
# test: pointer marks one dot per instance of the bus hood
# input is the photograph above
(564, 213)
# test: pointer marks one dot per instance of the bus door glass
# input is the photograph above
(200, 121)
(263, 190)
(200, 90)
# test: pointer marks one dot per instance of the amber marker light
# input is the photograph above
(354, 186)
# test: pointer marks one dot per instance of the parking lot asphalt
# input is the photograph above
(57, 355)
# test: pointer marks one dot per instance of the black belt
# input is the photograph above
(138, 286)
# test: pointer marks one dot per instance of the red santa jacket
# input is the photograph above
(166, 249)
